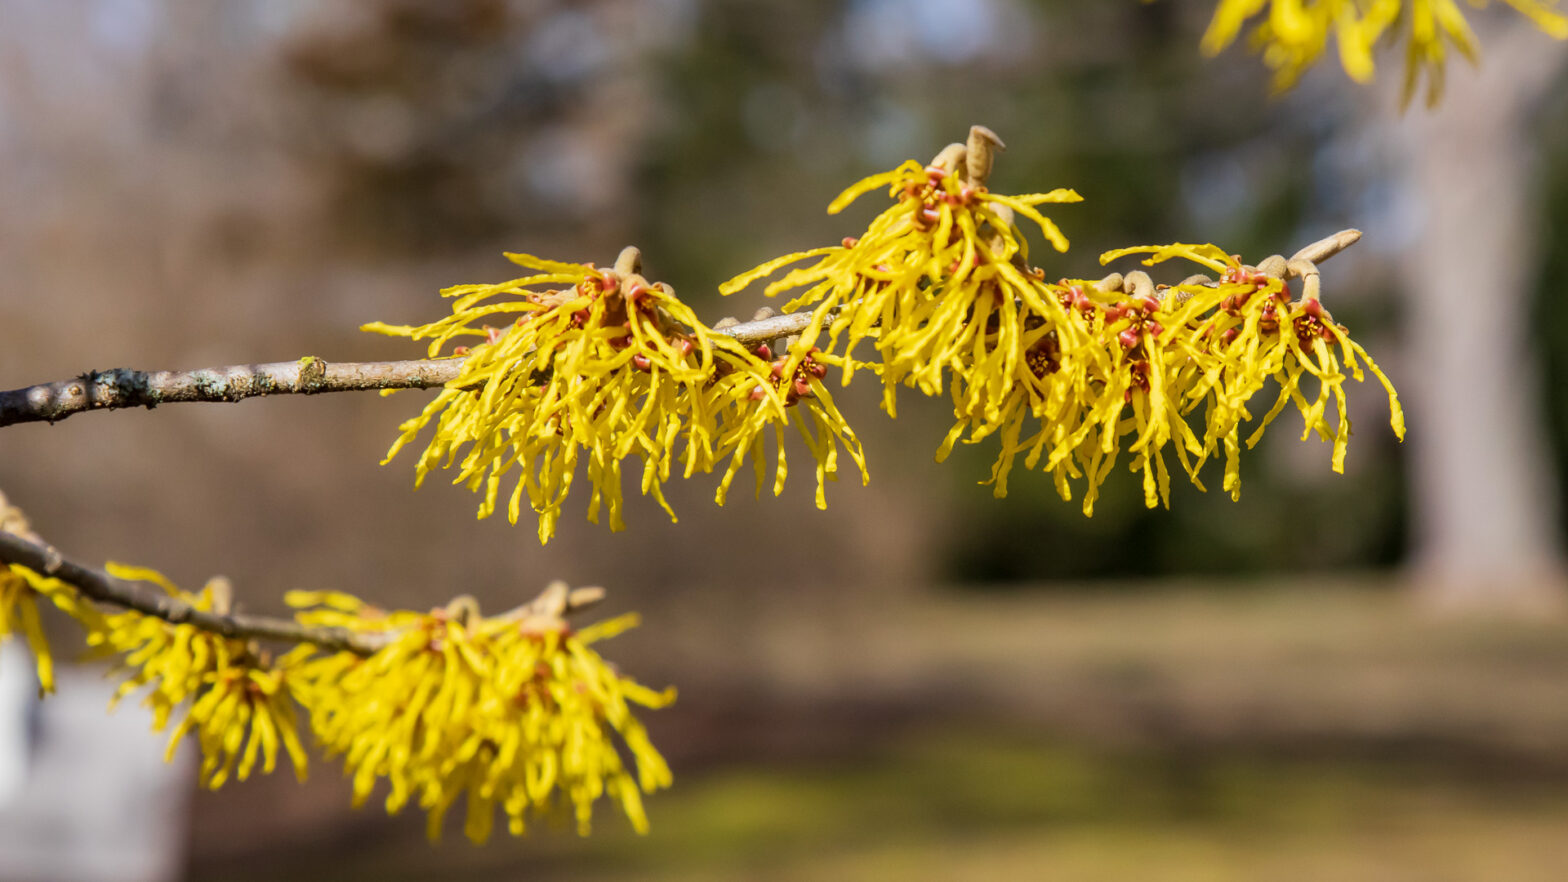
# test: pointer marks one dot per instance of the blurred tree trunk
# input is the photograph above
(1483, 487)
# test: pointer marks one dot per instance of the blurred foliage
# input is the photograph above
(1549, 323)
(439, 125)
(407, 113)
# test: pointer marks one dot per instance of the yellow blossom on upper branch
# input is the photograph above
(514, 711)
(603, 365)
(1175, 367)
(1067, 375)
(1292, 34)
(936, 279)
(232, 697)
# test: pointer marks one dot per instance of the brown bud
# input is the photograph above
(982, 146)
(629, 261)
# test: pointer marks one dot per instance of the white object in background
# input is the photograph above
(94, 800)
(17, 687)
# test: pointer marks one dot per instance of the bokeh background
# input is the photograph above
(1357, 677)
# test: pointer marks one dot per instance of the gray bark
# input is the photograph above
(1483, 487)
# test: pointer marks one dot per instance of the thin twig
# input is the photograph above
(102, 587)
(109, 390)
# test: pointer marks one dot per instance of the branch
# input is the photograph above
(98, 585)
(123, 387)
(144, 598)
(108, 390)
(113, 389)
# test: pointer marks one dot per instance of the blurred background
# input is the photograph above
(1359, 677)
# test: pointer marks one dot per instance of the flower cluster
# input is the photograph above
(1174, 368)
(603, 365)
(1293, 34)
(514, 711)
(230, 693)
(936, 279)
(1070, 374)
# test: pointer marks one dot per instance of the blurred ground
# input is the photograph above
(1304, 730)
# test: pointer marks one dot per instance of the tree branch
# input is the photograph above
(144, 598)
(109, 390)
(123, 387)
(556, 601)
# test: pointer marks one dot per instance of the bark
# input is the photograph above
(1483, 489)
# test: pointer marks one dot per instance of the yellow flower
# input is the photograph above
(605, 367)
(1159, 356)
(512, 712)
(228, 690)
(1065, 375)
(1084, 401)
(238, 700)
(19, 590)
(1292, 34)
(935, 280)
(798, 380)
